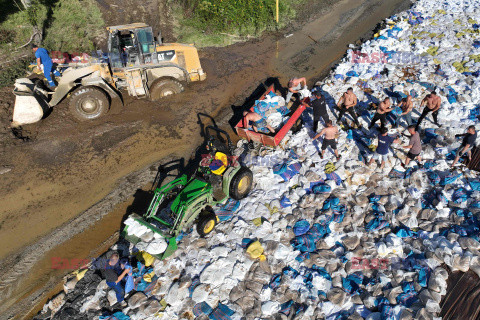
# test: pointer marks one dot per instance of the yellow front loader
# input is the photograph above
(137, 62)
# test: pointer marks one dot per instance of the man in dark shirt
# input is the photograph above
(319, 106)
(114, 272)
(467, 144)
(384, 142)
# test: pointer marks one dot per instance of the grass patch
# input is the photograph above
(76, 26)
(223, 22)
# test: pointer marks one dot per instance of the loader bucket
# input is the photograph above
(172, 243)
(30, 103)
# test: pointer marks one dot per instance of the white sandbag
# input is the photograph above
(27, 110)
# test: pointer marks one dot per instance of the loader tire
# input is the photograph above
(88, 103)
(241, 184)
(206, 223)
(164, 88)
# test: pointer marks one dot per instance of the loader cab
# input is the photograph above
(131, 45)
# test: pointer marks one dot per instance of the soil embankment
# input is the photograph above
(70, 178)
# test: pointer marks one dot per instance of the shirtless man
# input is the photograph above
(407, 106)
(330, 133)
(432, 104)
(294, 85)
(346, 104)
(259, 124)
(381, 114)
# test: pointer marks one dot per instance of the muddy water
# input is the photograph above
(62, 259)
(312, 50)
(309, 51)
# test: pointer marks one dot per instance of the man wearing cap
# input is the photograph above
(43, 58)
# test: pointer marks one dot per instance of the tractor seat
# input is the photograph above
(219, 164)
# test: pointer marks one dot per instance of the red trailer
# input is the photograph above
(270, 139)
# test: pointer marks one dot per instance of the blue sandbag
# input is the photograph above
(321, 188)
(202, 308)
(475, 185)
(222, 312)
(301, 227)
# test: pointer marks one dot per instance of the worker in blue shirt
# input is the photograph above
(43, 58)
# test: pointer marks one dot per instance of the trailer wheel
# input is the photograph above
(206, 223)
(87, 103)
(241, 183)
(164, 88)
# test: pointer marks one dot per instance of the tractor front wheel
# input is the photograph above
(206, 223)
(88, 103)
(241, 183)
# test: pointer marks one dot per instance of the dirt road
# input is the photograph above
(62, 186)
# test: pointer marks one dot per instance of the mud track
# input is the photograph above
(67, 185)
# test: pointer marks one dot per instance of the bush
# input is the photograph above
(236, 16)
(77, 25)
(13, 71)
(6, 36)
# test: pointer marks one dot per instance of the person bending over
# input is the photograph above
(468, 143)
(407, 106)
(295, 85)
(257, 122)
(346, 104)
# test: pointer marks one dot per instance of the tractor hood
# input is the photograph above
(190, 192)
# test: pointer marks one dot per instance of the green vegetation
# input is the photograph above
(76, 26)
(13, 71)
(221, 22)
(66, 25)
(58, 25)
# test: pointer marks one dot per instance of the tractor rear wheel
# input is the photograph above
(241, 183)
(88, 103)
(206, 223)
(164, 88)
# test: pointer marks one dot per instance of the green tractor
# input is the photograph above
(184, 201)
